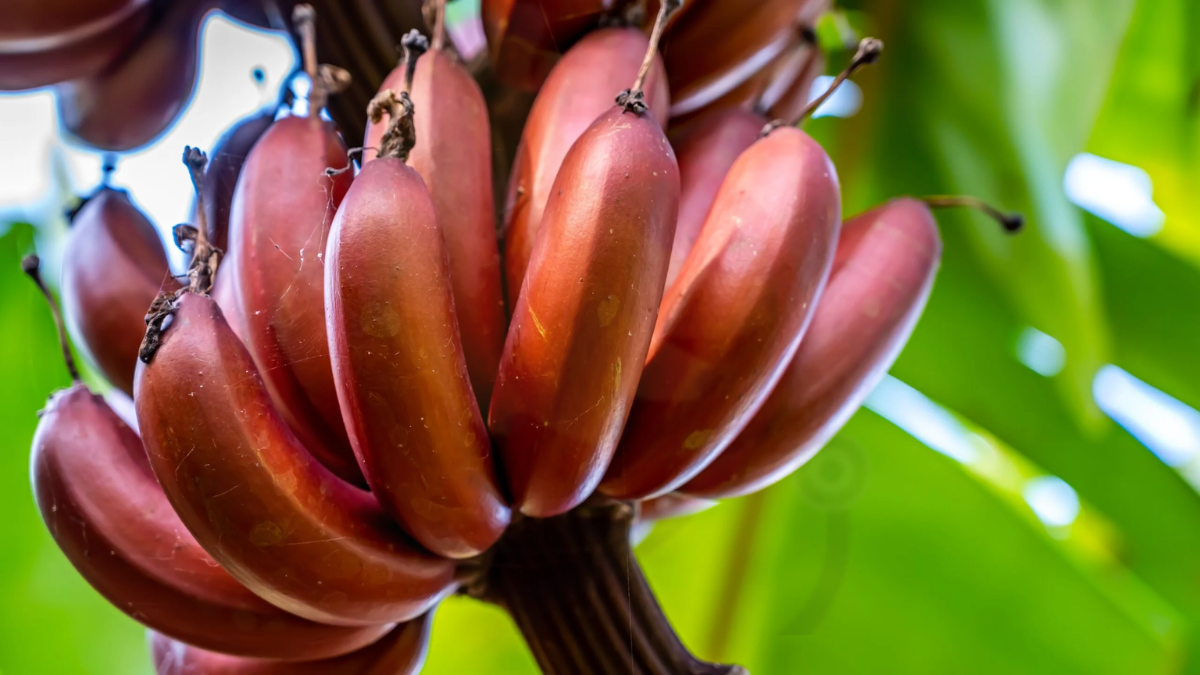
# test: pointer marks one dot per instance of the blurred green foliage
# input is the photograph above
(882, 555)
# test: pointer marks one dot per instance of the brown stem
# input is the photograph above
(439, 24)
(156, 317)
(633, 99)
(401, 134)
(869, 50)
(1011, 222)
(202, 268)
(414, 45)
(578, 596)
(304, 18)
(31, 265)
(324, 79)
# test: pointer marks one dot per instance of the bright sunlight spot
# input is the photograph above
(1049, 497)
(1041, 353)
(1052, 500)
(1168, 427)
(226, 90)
(845, 102)
(922, 419)
(1116, 192)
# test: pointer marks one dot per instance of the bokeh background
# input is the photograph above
(1020, 495)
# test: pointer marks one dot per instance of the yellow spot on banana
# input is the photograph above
(607, 311)
(538, 324)
(697, 439)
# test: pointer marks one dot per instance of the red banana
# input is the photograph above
(400, 652)
(104, 508)
(706, 148)
(582, 323)
(527, 37)
(453, 156)
(26, 26)
(113, 267)
(397, 357)
(42, 44)
(720, 45)
(216, 194)
(886, 262)
(224, 167)
(708, 144)
(276, 519)
(135, 99)
(282, 210)
(578, 90)
(788, 93)
(734, 317)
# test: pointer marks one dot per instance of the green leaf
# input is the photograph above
(992, 99)
(883, 556)
(474, 637)
(1153, 298)
(963, 355)
(52, 621)
(1151, 116)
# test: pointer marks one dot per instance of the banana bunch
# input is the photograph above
(360, 399)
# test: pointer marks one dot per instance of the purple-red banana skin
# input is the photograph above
(256, 500)
(29, 24)
(582, 325)
(220, 183)
(720, 45)
(399, 365)
(527, 37)
(36, 53)
(400, 652)
(454, 156)
(282, 210)
(733, 319)
(886, 263)
(134, 100)
(113, 267)
(579, 90)
(224, 166)
(706, 147)
(104, 508)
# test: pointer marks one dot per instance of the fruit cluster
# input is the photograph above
(353, 405)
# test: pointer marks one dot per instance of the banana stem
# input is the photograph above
(580, 599)
(868, 52)
(324, 79)
(31, 265)
(414, 45)
(1011, 222)
(401, 134)
(439, 25)
(633, 99)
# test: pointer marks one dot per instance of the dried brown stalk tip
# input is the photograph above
(163, 306)
(401, 134)
(632, 99)
(31, 266)
(1011, 222)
